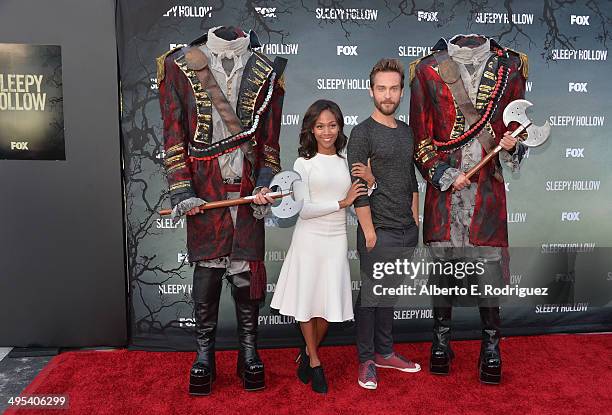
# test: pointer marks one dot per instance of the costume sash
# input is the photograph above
(197, 61)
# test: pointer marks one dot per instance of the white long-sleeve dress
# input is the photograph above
(315, 279)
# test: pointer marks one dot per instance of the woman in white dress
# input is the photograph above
(314, 285)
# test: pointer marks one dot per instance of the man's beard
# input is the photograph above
(379, 106)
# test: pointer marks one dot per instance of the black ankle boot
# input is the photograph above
(206, 293)
(441, 353)
(249, 367)
(304, 371)
(319, 383)
(490, 363)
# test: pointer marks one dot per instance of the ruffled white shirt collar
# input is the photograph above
(226, 48)
(467, 55)
(219, 49)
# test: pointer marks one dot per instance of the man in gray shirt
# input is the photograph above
(387, 218)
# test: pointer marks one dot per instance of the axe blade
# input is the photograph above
(537, 135)
(516, 111)
(290, 205)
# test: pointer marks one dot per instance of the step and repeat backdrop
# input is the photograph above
(559, 205)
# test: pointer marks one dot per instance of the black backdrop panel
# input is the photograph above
(62, 273)
(559, 201)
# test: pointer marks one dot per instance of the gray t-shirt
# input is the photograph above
(390, 153)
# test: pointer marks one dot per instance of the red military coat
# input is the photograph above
(435, 118)
(187, 124)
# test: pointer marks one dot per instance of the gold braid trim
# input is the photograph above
(180, 185)
(272, 159)
(179, 148)
(425, 150)
(171, 160)
(176, 167)
(271, 150)
(274, 166)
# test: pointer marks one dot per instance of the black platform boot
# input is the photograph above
(206, 293)
(441, 353)
(490, 363)
(250, 368)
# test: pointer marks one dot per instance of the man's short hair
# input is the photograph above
(387, 65)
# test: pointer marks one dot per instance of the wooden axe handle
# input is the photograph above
(482, 162)
(489, 156)
(230, 202)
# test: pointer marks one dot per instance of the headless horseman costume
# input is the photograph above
(221, 104)
(458, 94)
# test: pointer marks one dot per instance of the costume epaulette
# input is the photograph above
(161, 72)
(412, 67)
(524, 67)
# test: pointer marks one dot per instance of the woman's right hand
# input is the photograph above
(364, 172)
(357, 189)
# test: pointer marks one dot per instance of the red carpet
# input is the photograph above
(558, 374)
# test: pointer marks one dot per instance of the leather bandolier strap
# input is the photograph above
(198, 62)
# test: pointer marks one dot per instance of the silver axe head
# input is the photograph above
(516, 111)
(290, 205)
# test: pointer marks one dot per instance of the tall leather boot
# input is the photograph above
(441, 352)
(490, 363)
(206, 293)
(250, 368)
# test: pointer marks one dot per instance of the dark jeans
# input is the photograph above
(375, 324)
